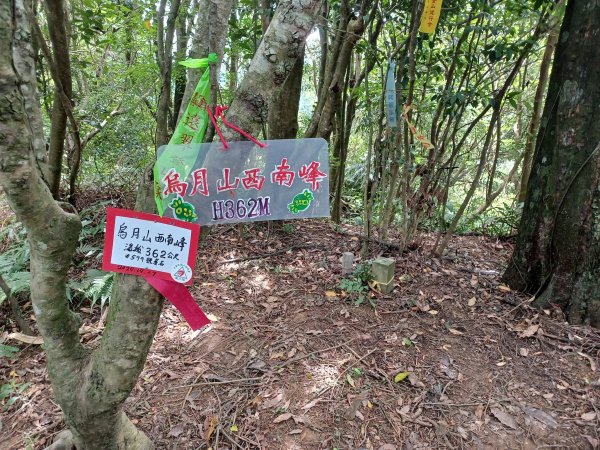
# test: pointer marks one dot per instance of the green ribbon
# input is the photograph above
(190, 130)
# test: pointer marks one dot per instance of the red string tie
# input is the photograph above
(219, 114)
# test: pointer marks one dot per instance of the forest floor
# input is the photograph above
(291, 363)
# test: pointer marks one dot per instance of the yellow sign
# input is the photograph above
(420, 136)
(430, 16)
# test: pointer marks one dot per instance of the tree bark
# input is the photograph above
(165, 66)
(283, 114)
(89, 386)
(212, 24)
(558, 247)
(538, 101)
(55, 13)
(322, 123)
(281, 45)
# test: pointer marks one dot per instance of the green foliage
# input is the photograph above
(8, 351)
(501, 221)
(96, 286)
(357, 285)
(14, 260)
(11, 392)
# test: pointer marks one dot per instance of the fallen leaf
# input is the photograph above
(504, 418)
(433, 312)
(401, 376)
(472, 301)
(414, 380)
(589, 416)
(311, 404)
(548, 396)
(455, 331)
(530, 331)
(540, 415)
(523, 352)
(479, 411)
(282, 418)
(175, 431)
(350, 380)
(501, 363)
(330, 294)
(296, 431)
(388, 447)
(209, 426)
(212, 317)
(446, 364)
(35, 340)
(503, 288)
(593, 441)
(463, 433)
(593, 365)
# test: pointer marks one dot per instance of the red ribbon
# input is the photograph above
(181, 298)
(219, 114)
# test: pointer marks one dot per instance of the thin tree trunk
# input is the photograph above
(538, 99)
(334, 92)
(494, 195)
(165, 66)
(179, 73)
(328, 70)
(498, 99)
(15, 309)
(56, 16)
(211, 25)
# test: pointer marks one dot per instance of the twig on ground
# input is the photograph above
(308, 355)
(267, 255)
(213, 383)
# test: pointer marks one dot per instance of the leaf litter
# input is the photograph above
(288, 355)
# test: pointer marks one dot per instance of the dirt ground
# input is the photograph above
(291, 363)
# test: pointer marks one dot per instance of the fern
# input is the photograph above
(96, 286)
(17, 282)
(8, 351)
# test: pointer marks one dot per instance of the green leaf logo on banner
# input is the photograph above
(190, 130)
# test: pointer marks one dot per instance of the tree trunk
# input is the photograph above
(55, 13)
(324, 125)
(281, 45)
(283, 115)
(89, 386)
(165, 67)
(558, 248)
(538, 99)
(212, 24)
(179, 72)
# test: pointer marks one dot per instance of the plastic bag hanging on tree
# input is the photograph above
(192, 126)
(390, 96)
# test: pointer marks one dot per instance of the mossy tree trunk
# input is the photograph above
(558, 249)
(91, 386)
